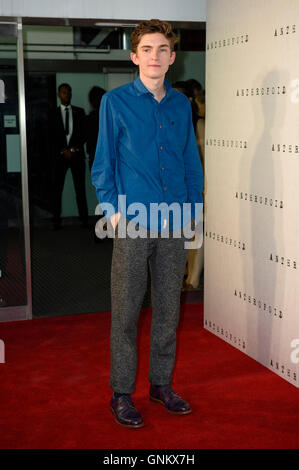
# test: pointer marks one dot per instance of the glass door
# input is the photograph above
(15, 276)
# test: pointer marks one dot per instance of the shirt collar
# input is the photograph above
(142, 90)
(64, 107)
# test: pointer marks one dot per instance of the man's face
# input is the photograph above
(153, 55)
(65, 95)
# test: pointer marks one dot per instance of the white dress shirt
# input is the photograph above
(62, 107)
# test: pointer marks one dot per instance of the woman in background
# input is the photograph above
(92, 121)
(196, 96)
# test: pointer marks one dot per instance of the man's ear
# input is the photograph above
(172, 58)
(134, 58)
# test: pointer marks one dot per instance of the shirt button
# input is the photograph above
(164, 188)
(160, 126)
(162, 168)
(161, 148)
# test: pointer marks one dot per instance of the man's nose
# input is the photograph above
(154, 54)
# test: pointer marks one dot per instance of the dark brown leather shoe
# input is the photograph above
(164, 395)
(125, 412)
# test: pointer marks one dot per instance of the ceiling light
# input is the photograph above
(121, 25)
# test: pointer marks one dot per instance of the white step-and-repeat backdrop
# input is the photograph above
(252, 180)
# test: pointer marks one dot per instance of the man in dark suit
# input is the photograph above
(68, 137)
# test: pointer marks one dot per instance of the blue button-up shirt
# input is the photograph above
(147, 151)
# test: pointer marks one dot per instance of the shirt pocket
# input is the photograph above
(176, 135)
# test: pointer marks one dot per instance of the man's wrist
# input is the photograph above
(114, 215)
(114, 219)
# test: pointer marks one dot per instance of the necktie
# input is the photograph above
(67, 130)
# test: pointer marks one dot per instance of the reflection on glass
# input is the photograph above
(12, 248)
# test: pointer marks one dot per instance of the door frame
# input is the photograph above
(23, 312)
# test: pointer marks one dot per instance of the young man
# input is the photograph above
(146, 151)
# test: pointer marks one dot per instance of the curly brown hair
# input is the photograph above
(153, 26)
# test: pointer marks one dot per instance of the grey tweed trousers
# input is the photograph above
(167, 260)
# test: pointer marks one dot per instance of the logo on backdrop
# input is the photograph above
(256, 199)
(285, 30)
(228, 42)
(273, 312)
(228, 143)
(262, 91)
(282, 369)
(226, 334)
(226, 240)
(274, 90)
(285, 148)
(282, 261)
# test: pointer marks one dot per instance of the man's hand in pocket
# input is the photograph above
(114, 219)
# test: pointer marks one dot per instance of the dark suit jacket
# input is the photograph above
(58, 137)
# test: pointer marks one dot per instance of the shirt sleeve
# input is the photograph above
(193, 167)
(103, 169)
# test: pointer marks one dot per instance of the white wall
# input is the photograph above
(252, 192)
(172, 10)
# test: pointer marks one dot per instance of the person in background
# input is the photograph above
(67, 127)
(92, 130)
(200, 106)
(194, 87)
(186, 89)
(92, 122)
(195, 261)
(193, 90)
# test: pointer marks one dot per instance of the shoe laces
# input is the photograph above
(167, 390)
(128, 400)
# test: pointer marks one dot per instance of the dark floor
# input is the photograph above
(71, 272)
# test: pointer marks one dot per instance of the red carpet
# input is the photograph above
(55, 392)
